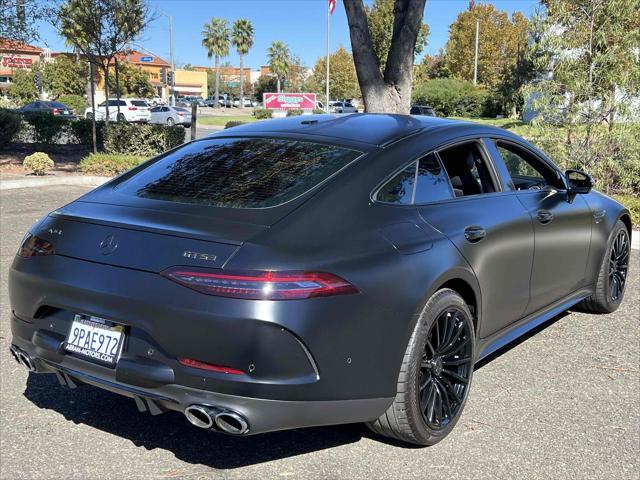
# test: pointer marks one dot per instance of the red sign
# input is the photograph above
(285, 101)
(17, 62)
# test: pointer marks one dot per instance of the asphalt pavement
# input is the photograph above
(562, 403)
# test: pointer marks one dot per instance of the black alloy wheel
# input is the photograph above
(618, 265)
(445, 369)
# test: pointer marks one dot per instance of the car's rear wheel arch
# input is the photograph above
(626, 219)
(468, 294)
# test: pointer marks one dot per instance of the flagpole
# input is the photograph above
(327, 80)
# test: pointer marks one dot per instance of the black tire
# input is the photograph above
(89, 116)
(171, 122)
(614, 268)
(406, 419)
(121, 118)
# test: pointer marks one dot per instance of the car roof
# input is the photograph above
(370, 128)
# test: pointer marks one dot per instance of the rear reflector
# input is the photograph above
(189, 362)
(260, 285)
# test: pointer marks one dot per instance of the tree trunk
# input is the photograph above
(92, 89)
(391, 92)
(106, 94)
(217, 102)
(117, 90)
(278, 83)
(241, 81)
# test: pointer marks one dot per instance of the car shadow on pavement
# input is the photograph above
(171, 431)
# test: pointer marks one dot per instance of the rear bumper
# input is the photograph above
(305, 364)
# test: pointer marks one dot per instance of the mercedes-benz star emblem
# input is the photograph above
(108, 244)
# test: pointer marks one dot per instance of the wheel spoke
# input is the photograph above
(455, 376)
(457, 348)
(452, 341)
(445, 399)
(451, 389)
(425, 382)
(424, 398)
(456, 362)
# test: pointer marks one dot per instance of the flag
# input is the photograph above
(332, 5)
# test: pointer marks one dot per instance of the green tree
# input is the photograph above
(343, 81)
(279, 57)
(23, 89)
(242, 39)
(134, 82)
(430, 67)
(65, 75)
(215, 38)
(101, 30)
(380, 19)
(19, 18)
(265, 84)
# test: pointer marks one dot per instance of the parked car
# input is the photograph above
(342, 107)
(131, 110)
(157, 101)
(422, 110)
(248, 103)
(171, 116)
(44, 106)
(297, 272)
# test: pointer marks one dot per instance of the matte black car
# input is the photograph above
(301, 272)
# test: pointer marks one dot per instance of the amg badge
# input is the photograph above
(199, 256)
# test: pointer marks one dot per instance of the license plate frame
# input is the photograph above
(84, 340)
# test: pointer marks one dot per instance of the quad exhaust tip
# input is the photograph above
(22, 358)
(206, 417)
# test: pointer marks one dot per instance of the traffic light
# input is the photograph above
(37, 79)
(163, 75)
(170, 78)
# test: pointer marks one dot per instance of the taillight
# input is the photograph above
(181, 114)
(189, 362)
(260, 285)
(56, 111)
(33, 246)
(133, 108)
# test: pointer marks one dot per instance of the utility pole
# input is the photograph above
(173, 63)
(475, 61)
(328, 57)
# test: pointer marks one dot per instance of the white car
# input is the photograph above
(131, 110)
(342, 107)
(248, 103)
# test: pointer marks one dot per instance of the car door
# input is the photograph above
(562, 222)
(155, 115)
(490, 228)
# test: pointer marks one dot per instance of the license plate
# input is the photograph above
(95, 339)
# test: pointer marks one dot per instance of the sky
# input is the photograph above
(301, 24)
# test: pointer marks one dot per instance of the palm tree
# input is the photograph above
(242, 39)
(215, 38)
(279, 60)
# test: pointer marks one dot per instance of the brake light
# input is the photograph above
(260, 285)
(133, 108)
(33, 246)
(181, 114)
(189, 362)
(56, 111)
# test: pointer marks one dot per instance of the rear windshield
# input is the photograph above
(239, 172)
(139, 103)
(57, 105)
(178, 109)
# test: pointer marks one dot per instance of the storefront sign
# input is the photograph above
(286, 101)
(16, 62)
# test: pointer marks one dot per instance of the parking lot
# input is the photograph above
(562, 403)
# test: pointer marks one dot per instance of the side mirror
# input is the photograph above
(578, 182)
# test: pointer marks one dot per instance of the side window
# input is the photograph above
(467, 170)
(155, 109)
(400, 188)
(103, 104)
(165, 109)
(432, 184)
(527, 172)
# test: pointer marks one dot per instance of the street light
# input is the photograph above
(172, 85)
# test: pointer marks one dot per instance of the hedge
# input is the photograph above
(10, 123)
(142, 139)
(294, 112)
(262, 113)
(234, 123)
(450, 97)
(109, 165)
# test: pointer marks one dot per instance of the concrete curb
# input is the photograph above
(635, 240)
(90, 181)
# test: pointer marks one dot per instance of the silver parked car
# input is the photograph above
(170, 115)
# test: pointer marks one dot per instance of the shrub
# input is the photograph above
(142, 139)
(233, 123)
(262, 113)
(10, 124)
(318, 111)
(38, 163)
(47, 128)
(633, 204)
(76, 102)
(294, 112)
(451, 97)
(80, 132)
(109, 165)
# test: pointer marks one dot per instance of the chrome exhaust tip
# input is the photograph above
(15, 353)
(27, 361)
(200, 416)
(231, 422)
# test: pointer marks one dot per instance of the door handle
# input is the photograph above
(544, 216)
(474, 233)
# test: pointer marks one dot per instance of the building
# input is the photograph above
(15, 56)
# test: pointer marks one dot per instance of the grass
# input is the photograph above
(633, 204)
(221, 120)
